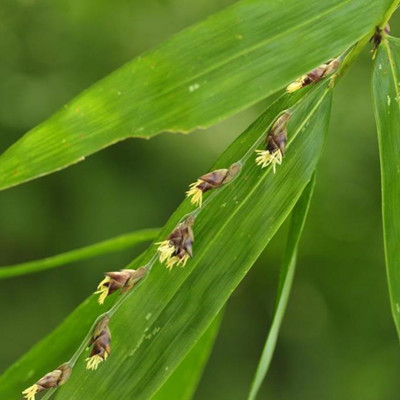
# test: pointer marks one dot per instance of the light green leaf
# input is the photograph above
(202, 75)
(95, 250)
(162, 319)
(386, 93)
(298, 219)
(182, 384)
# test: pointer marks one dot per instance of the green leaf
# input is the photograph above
(299, 216)
(386, 93)
(95, 250)
(182, 384)
(202, 75)
(162, 319)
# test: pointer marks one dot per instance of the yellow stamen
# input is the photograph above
(166, 250)
(197, 194)
(31, 392)
(94, 361)
(266, 158)
(296, 85)
(182, 262)
(102, 289)
(171, 262)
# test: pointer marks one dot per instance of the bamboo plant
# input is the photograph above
(141, 335)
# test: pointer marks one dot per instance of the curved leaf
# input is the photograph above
(202, 75)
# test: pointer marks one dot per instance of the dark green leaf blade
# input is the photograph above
(386, 93)
(202, 75)
(298, 219)
(162, 319)
(95, 250)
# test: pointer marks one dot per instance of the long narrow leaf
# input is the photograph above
(284, 286)
(95, 250)
(162, 319)
(386, 92)
(206, 73)
(182, 384)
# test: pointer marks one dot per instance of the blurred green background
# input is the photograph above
(338, 340)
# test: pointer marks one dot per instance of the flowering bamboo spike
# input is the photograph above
(53, 379)
(178, 247)
(315, 75)
(212, 180)
(125, 280)
(100, 340)
(275, 143)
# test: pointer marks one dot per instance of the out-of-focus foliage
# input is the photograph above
(337, 340)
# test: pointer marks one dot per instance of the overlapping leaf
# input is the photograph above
(208, 72)
(286, 276)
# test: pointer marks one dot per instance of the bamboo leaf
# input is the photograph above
(386, 93)
(95, 250)
(162, 319)
(202, 75)
(299, 216)
(182, 384)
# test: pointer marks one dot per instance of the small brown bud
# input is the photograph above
(377, 38)
(100, 340)
(315, 75)
(53, 379)
(115, 280)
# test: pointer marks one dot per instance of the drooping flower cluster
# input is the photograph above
(125, 280)
(275, 143)
(315, 75)
(53, 379)
(212, 180)
(178, 247)
(100, 340)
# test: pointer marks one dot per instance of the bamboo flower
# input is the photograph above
(212, 180)
(100, 340)
(275, 143)
(314, 76)
(178, 247)
(125, 280)
(53, 379)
